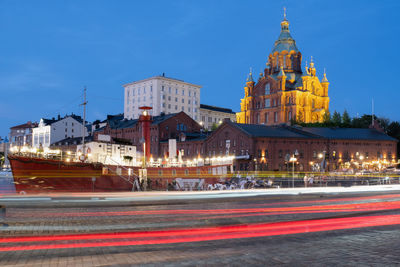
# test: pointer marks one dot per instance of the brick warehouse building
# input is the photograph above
(260, 147)
(162, 128)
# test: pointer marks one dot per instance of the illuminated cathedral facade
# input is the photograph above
(283, 93)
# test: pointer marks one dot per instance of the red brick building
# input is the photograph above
(162, 128)
(260, 147)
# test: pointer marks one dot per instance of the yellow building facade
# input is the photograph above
(284, 92)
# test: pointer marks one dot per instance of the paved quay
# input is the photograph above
(301, 226)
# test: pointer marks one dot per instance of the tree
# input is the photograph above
(393, 129)
(363, 122)
(214, 127)
(384, 123)
(327, 117)
(336, 118)
(346, 121)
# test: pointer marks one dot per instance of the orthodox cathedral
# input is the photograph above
(284, 93)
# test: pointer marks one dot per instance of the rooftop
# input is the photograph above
(349, 133)
(256, 130)
(162, 76)
(214, 108)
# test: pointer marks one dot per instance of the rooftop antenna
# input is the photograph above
(84, 120)
(372, 117)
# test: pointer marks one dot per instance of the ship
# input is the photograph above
(94, 168)
(40, 175)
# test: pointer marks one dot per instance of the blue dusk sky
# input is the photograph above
(49, 50)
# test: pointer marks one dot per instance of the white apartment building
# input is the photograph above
(53, 130)
(164, 95)
(212, 115)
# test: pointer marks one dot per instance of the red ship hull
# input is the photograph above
(35, 175)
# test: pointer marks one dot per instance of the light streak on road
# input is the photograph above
(374, 206)
(202, 234)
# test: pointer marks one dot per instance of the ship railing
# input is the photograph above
(132, 179)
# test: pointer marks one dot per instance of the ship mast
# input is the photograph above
(84, 120)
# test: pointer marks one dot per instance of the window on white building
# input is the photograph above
(176, 107)
(169, 98)
(169, 89)
(188, 101)
(183, 100)
(176, 91)
(183, 92)
(190, 93)
(162, 88)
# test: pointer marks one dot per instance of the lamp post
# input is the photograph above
(293, 159)
(321, 156)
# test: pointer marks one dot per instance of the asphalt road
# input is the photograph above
(313, 229)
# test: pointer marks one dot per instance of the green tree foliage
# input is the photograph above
(394, 129)
(336, 118)
(327, 118)
(346, 121)
(214, 127)
(362, 122)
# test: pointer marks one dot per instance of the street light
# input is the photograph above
(293, 159)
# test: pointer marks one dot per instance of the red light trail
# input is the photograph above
(202, 234)
(374, 206)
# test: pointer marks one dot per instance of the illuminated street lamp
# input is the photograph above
(293, 159)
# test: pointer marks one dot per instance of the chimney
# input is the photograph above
(59, 117)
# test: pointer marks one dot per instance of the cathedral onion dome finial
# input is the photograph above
(307, 70)
(324, 80)
(250, 77)
(285, 41)
(312, 63)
